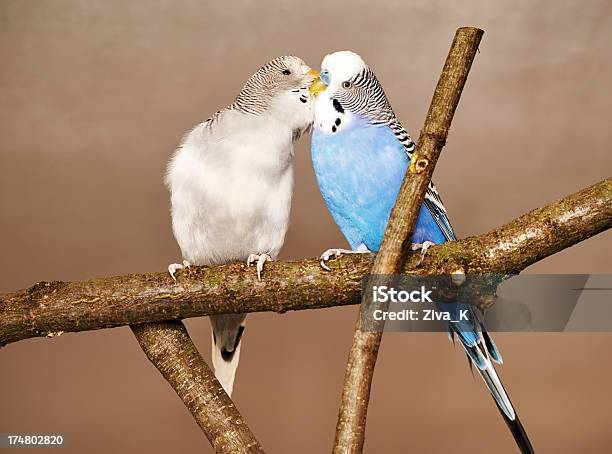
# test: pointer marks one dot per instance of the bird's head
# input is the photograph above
(339, 72)
(347, 89)
(280, 88)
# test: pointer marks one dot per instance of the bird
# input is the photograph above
(231, 183)
(360, 155)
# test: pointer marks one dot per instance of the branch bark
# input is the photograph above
(350, 429)
(50, 308)
(171, 350)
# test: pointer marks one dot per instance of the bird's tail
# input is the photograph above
(489, 375)
(481, 351)
(227, 330)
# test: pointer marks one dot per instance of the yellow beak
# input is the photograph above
(317, 85)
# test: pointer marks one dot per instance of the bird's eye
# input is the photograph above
(286, 72)
(346, 84)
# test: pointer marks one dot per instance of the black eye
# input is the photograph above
(346, 84)
(286, 72)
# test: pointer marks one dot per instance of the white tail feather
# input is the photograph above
(225, 371)
(489, 375)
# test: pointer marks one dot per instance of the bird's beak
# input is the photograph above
(317, 85)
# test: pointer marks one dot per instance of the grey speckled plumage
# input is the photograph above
(231, 182)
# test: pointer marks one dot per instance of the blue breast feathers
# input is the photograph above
(360, 170)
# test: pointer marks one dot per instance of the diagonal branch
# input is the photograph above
(171, 350)
(350, 429)
(49, 308)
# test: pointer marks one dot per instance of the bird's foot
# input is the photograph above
(173, 267)
(335, 253)
(261, 260)
(423, 247)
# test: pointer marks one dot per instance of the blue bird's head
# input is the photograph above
(347, 90)
(337, 71)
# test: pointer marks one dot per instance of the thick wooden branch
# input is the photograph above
(50, 308)
(350, 429)
(171, 350)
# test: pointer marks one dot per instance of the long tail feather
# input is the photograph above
(482, 352)
(491, 347)
(227, 330)
(225, 364)
(519, 434)
(489, 375)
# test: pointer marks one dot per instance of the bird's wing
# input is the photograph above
(432, 201)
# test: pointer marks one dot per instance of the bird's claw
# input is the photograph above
(335, 252)
(261, 260)
(423, 247)
(174, 267)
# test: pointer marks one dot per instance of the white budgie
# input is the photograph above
(231, 183)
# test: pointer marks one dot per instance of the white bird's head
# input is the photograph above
(280, 88)
(338, 70)
(345, 90)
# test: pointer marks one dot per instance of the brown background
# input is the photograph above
(94, 96)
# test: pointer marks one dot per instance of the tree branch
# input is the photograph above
(350, 429)
(171, 350)
(49, 308)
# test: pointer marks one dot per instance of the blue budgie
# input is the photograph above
(360, 155)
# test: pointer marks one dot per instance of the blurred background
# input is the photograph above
(94, 97)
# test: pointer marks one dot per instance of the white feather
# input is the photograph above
(225, 371)
(231, 183)
(231, 192)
